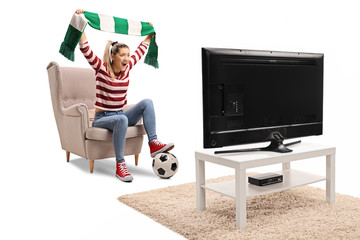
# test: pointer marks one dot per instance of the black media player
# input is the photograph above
(265, 179)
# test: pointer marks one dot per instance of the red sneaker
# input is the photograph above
(158, 147)
(122, 172)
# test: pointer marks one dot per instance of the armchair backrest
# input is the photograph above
(71, 86)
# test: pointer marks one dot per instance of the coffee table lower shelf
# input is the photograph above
(291, 179)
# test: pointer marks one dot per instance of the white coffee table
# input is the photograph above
(240, 188)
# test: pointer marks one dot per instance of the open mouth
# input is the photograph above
(124, 64)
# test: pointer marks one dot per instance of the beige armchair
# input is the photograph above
(73, 98)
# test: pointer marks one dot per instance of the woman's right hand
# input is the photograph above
(79, 11)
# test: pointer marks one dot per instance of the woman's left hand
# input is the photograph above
(148, 37)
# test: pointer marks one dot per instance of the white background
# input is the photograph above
(44, 197)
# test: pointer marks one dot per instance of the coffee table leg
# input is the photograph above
(330, 178)
(286, 166)
(200, 181)
(240, 194)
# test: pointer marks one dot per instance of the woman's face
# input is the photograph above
(122, 58)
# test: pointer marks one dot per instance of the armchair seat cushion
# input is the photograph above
(102, 134)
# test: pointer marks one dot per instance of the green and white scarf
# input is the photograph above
(109, 24)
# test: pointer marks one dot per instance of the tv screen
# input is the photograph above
(255, 96)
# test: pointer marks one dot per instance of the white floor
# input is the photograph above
(47, 198)
(43, 197)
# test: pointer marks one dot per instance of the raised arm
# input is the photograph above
(94, 61)
(138, 54)
(141, 50)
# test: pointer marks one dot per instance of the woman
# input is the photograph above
(112, 81)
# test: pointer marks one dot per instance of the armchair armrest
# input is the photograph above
(78, 110)
(74, 122)
(127, 107)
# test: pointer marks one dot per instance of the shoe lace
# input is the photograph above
(123, 169)
(157, 143)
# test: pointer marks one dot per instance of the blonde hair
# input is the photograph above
(111, 48)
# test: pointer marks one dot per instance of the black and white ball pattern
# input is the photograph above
(165, 165)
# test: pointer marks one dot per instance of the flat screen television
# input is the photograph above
(252, 96)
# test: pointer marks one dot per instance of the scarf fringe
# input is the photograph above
(152, 54)
(151, 60)
(67, 52)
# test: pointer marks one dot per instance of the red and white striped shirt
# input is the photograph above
(111, 92)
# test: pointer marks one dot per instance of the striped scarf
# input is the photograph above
(109, 24)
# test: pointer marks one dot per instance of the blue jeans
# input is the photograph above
(118, 122)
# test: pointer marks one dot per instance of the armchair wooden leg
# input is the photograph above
(67, 156)
(136, 159)
(91, 165)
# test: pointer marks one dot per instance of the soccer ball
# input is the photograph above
(165, 165)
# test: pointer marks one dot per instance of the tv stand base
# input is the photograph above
(276, 145)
